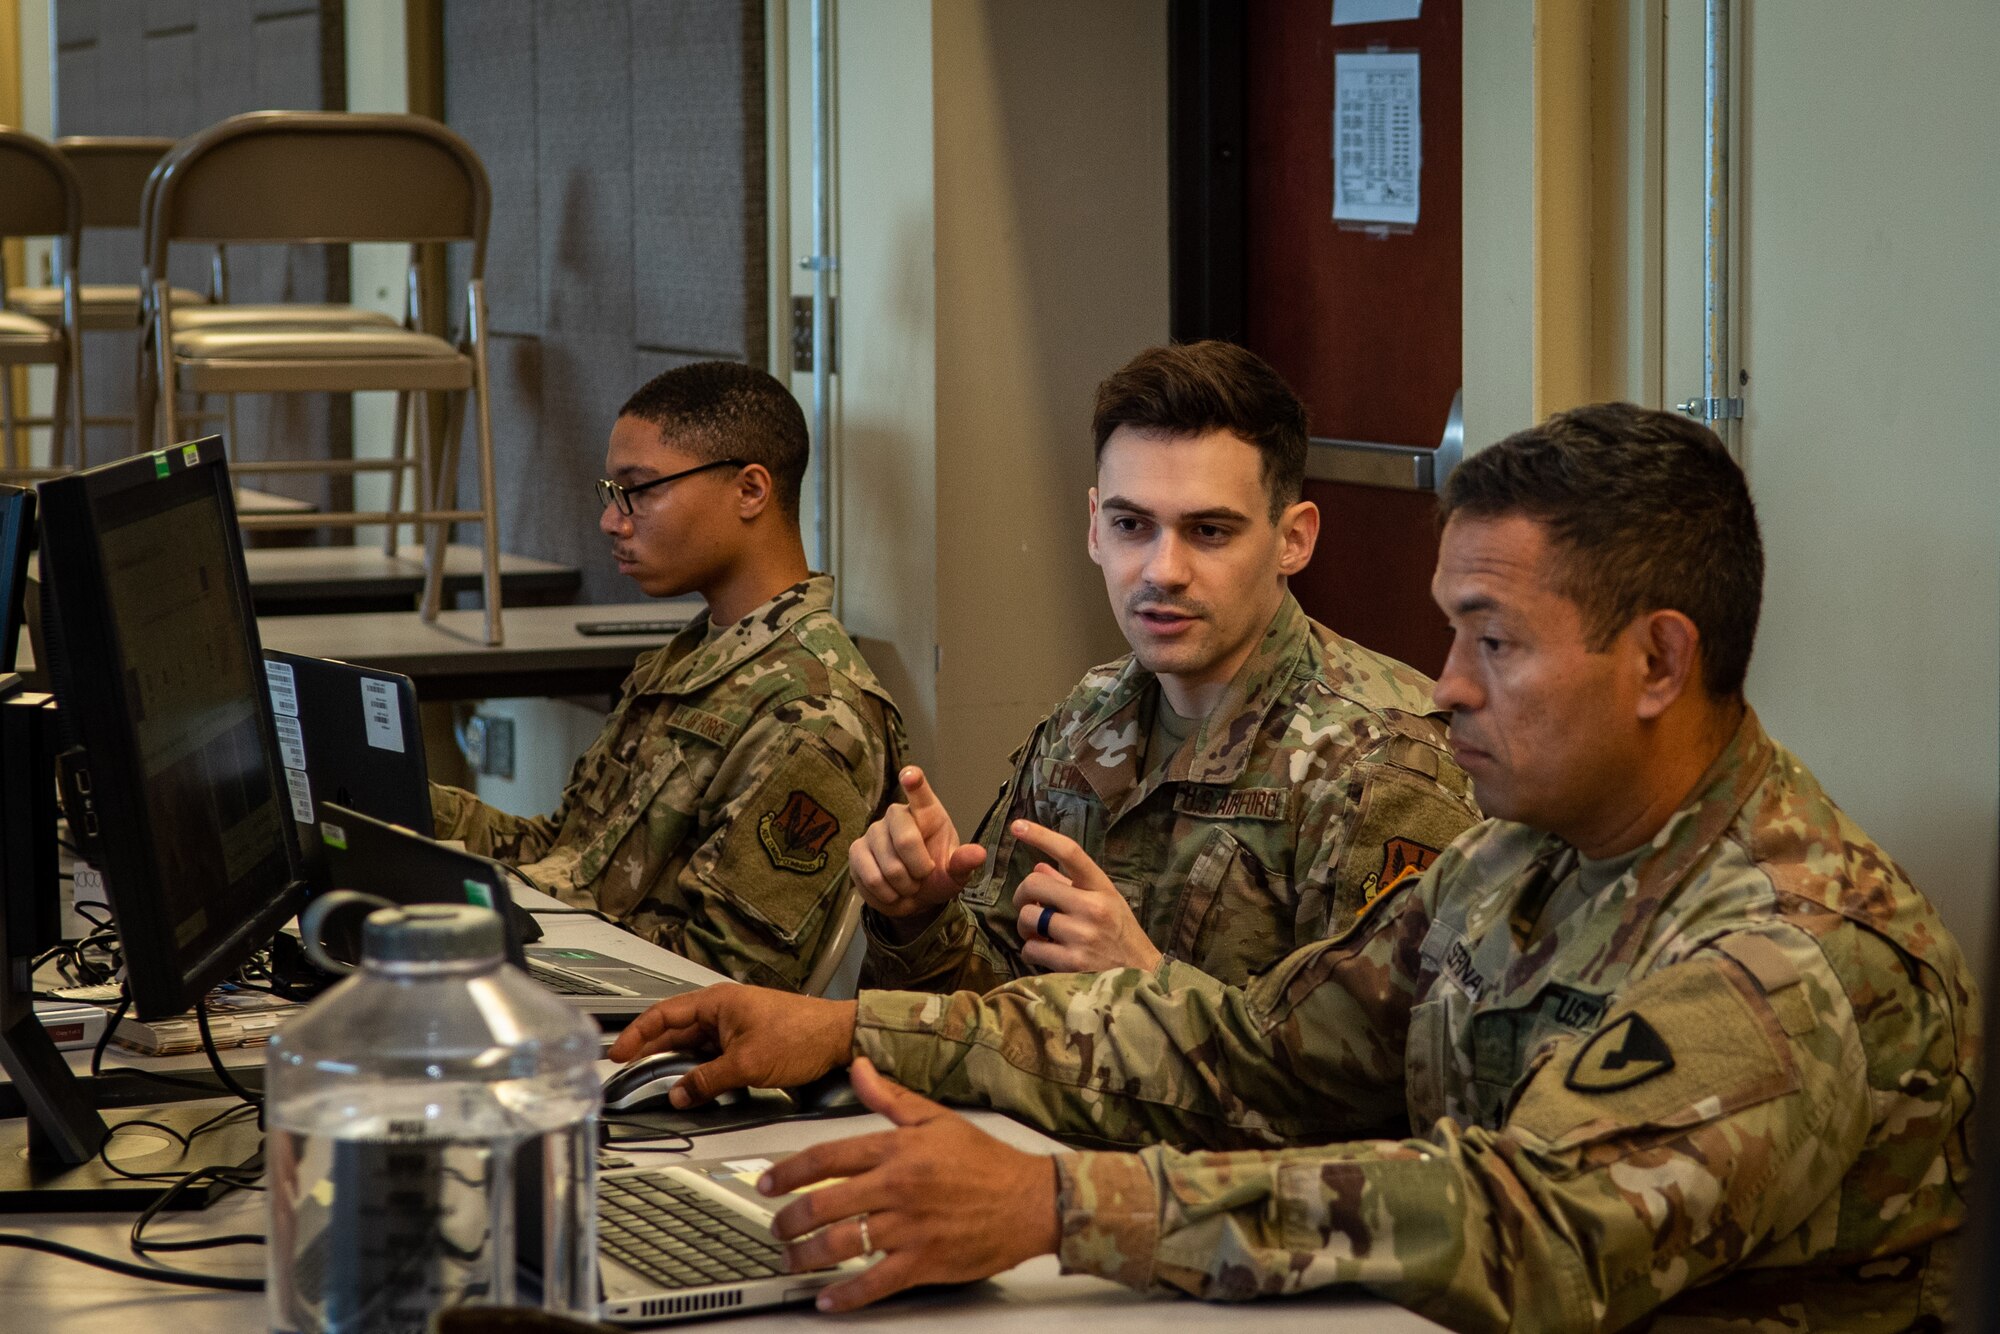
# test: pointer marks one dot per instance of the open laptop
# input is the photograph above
(348, 735)
(686, 1242)
(376, 857)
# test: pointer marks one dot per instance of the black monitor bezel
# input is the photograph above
(17, 534)
(161, 981)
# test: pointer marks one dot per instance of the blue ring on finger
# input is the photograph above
(1042, 927)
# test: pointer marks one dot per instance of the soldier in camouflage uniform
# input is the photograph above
(713, 813)
(1239, 785)
(1691, 1050)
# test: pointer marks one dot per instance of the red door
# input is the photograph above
(1365, 327)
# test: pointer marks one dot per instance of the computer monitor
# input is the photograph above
(161, 676)
(174, 786)
(17, 533)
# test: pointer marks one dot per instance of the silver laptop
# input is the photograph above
(693, 1240)
(405, 867)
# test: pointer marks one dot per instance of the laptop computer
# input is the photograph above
(687, 1241)
(348, 735)
(402, 866)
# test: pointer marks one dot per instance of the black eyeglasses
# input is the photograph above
(616, 493)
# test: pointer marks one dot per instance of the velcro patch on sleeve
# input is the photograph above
(787, 847)
(1402, 821)
(1690, 1044)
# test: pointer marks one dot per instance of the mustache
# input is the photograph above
(1149, 598)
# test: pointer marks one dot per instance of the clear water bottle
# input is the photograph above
(430, 1125)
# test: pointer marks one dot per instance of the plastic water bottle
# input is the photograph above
(430, 1124)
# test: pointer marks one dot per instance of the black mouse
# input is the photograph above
(829, 1095)
(643, 1085)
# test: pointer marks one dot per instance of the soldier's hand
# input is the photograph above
(1090, 926)
(761, 1038)
(945, 1202)
(911, 861)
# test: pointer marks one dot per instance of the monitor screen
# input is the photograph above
(160, 679)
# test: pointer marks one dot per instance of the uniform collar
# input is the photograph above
(686, 664)
(1110, 751)
(1699, 823)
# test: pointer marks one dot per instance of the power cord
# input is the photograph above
(179, 1183)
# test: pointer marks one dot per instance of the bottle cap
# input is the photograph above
(432, 933)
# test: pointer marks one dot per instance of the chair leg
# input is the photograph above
(489, 504)
(167, 390)
(445, 489)
(76, 399)
(7, 423)
(399, 451)
(59, 414)
(145, 405)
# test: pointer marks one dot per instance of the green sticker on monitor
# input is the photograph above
(477, 892)
(190, 455)
(160, 463)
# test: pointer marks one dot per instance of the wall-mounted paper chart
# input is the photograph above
(1378, 151)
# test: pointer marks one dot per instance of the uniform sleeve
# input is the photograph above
(1398, 808)
(1703, 1119)
(490, 832)
(970, 945)
(1311, 1050)
(755, 897)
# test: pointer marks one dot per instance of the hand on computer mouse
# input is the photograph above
(764, 1038)
(647, 1084)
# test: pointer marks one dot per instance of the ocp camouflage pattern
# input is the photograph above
(1320, 775)
(713, 813)
(1729, 1090)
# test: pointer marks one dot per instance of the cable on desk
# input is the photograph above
(229, 1081)
(155, 1273)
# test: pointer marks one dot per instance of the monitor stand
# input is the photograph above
(50, 1160)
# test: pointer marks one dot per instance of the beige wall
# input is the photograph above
(1866, 285)
(1871, 277)
(1002, 184)
(1498, 244)
(1052, 271)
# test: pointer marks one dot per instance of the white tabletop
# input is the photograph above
(39, 1292)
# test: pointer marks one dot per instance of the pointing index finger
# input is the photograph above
(1067, 853)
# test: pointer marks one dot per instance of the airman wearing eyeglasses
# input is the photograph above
(713, 813)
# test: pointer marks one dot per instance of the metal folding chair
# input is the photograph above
(335, 178)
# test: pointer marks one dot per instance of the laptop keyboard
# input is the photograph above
(679, 1238)
(565, 983)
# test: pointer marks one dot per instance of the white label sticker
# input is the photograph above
(302, 795)
(291, 742)
(284, 689)
(378, 708)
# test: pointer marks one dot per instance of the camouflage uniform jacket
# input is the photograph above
(1732, 1083)
(1319, 776)
(713, 813)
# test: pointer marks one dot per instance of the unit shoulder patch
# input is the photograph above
(796, 834)
(1629, 1052)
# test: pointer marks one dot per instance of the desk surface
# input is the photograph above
(298, 581)
(544, 654)
(41, 1292)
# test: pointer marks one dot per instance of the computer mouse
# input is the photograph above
(643, 1085)
(829, 1095)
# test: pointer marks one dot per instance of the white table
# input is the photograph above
(40, 1292)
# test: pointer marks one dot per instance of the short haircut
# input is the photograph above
(1646, 511)
(1188, 389)
(727, 410)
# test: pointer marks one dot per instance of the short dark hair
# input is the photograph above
(1185, 389)
(1647, 512)
(727, 410)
